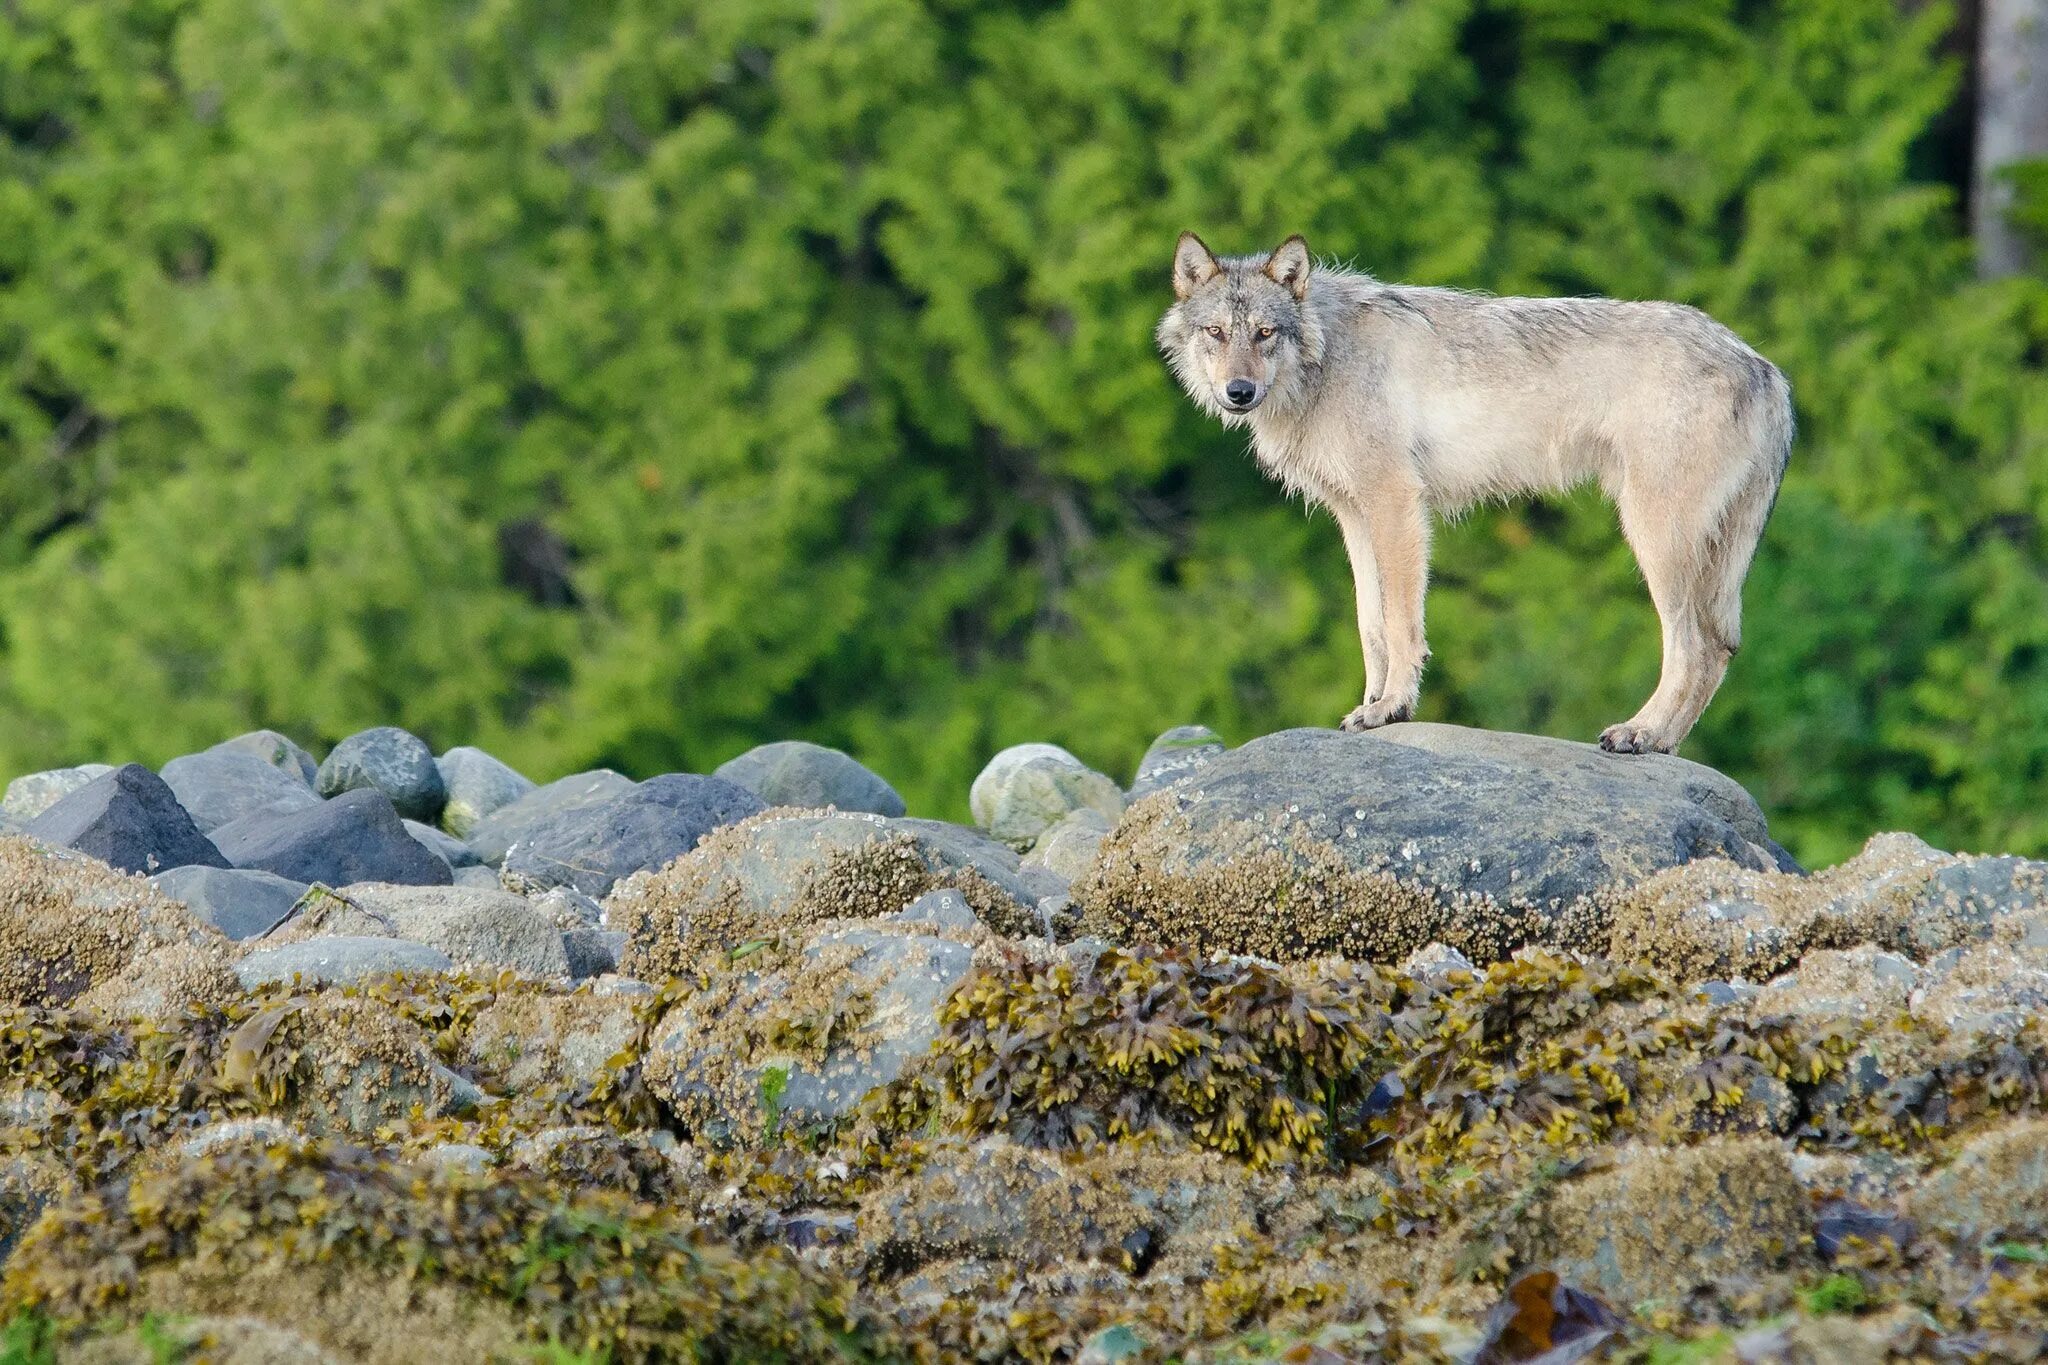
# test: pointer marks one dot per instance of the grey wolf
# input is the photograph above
(1387, 402)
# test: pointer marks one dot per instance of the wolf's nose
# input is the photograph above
(1240, 391)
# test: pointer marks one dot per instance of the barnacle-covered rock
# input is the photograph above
(1996, 1189)
(535, 1041)
(341, 1065)
(786, 868)
(69, 923)
(213, 1339)
(473, 926)
(1311, 841)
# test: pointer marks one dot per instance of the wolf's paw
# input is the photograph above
(1373, 714)
(1633, 737)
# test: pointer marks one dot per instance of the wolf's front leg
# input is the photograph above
(1394, 529)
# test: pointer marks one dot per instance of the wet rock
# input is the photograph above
(475, 928)
(810, 776)
(787, 868)
(536, 1043)
(592, 952)
(451, 850)
(128, 819)
(1027, 789)
(495, 833)
(1068, 848)
(215, 787)
(1311, 842)
(477, 786)
(591, 848)
(1183, 750)
(31, 794)
(240, 902)
(795, 1047)
(1995, 1190)
(338, 961)
(391, 761)
(276, 750)
(356, 837)
(1661, 1220)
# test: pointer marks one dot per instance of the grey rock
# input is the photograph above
(1068, 848)
(796, 773)
(1028, 788)
(943, 910)
(338, 961)
(532, 1043)
(567, 908)
(128, 819)
(453, 851)
(465, 1158)
(356, 837)
(218, 786)
(497, 832)
(240, 902)
(1435, 963)
(31, 794)
(1964, 899)
(1183, 750)
(1312, 841)
(478, 785)
(475, 928)
(592, 952)
(389, 760)
(225, 1133)
(1995, 1190)
(480, 877)
(276, 750)
(653, 824)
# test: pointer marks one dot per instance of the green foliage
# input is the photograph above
(629, 384)
(1836, 1294)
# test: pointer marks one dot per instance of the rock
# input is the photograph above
(391, 761)
(1962, 901)
(128, 819)
(337, 961)
(474, 928)
(240, 902)
(796, 1047)
(325, 912)
(645, 828)
(1437, 965)
(535, 1044)
(453, 851)
(1312, 841)
(947, 912)
(789, 868)
(1028, 788)
(1180, 751)
(465, 1158)
(367, 1066)
(70, 924)
(31, 794)
(479, 877)
(1985, 988)
(592, 952)
(356, 837)
(225, 1133)
(1995, 1190)
(1661, 1220)
(1068, 848)
(498, 831)
(567, 908)
(478, 786)
(218, 786)
(796, 773)
(1855, 983)
(276, 750)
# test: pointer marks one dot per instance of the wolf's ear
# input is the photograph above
(1289, 265)
(1193, 265)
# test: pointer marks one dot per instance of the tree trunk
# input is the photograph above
(2012, 123)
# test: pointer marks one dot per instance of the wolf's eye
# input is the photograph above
(1265, 334)
(1216, 332)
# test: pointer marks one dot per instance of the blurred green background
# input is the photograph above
(628, 383)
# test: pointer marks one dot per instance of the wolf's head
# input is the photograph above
(1237, 332)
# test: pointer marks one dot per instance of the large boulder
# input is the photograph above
(31, 794)
(1181, 751)
(476, 928)
(1311, 841)
(787, 868)
(222, 785)
(338, 960)
(241, 902)
(452, 850)
(277, 750)
(533, 1042)
(1028, 788)
(389, 760)
(356, 837)
(592, 847)
(129, 819)
(493, 836)
(794, 772)
(478, 785)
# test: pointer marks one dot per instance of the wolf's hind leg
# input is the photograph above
(1676, 556)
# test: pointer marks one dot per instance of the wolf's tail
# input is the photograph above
(1773, 426)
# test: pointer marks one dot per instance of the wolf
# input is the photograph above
(1387, 402)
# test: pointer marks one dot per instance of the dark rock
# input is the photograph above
(276, 750)
(493, 835)
(240, 902)
(31, 794)
(1180, 751)
(356, 837)
(453, 851)
(592, 951)
(218, 786)
(796, 773)
(478, 785)
(1312, 841)
(654, 823)
(127, 819)
(338, 961)
(391, 761)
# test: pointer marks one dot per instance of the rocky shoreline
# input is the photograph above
(1430, 1044)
